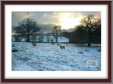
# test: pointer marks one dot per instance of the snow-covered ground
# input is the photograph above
(54, 57)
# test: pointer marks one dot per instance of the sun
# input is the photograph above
(68, 20)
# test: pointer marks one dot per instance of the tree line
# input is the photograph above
(89, 31)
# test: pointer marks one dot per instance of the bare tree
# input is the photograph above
(27, 27)
(57, 32)
(90, 22)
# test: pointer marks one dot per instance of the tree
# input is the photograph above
(27, 27)
(91, 23)
(57, 32)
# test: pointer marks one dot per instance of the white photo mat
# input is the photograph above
(103, 74)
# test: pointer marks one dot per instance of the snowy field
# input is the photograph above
(51, 57)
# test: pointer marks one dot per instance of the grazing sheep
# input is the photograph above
(62, 46)
(34, 44)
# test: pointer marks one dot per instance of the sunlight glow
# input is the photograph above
(69, 20)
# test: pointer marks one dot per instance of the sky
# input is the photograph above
(64, 19)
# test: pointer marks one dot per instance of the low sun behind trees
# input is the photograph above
(89, 31)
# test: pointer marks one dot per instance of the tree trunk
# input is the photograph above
(28, 38)
(89, 37)
(89, 44)
(56, 37)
